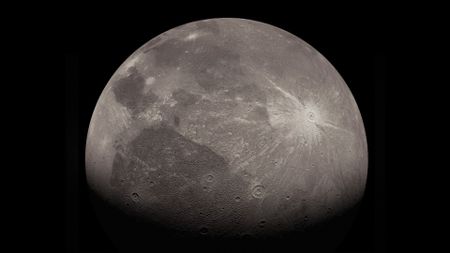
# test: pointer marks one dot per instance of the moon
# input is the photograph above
(224, 128)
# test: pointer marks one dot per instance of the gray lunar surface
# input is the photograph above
(225, 127)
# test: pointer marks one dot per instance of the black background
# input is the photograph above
(95, 44)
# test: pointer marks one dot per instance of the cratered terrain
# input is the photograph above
(226, 128)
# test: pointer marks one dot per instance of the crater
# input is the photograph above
(209, 178)
(208, 181)
(204, 230)
(310, 116)
(262, 224)
(258, 191)
(135, 197)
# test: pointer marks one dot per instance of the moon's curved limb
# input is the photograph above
(225, 118)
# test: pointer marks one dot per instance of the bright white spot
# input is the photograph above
(131, 62)
(150, 80)
(151, 116)
(157, 117)
(172, 102)
(104, 142)
(306, 119)
(192, 36)
(300, 119)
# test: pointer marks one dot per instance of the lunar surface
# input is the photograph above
(225, 128)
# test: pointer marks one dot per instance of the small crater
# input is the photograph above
(262, 224)
(237, 199)
(310, 116)
(288, 197)
(305, 142)
(306, 218)
(204, 230)
(135, 197)
(209, 178)
(258, 191)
